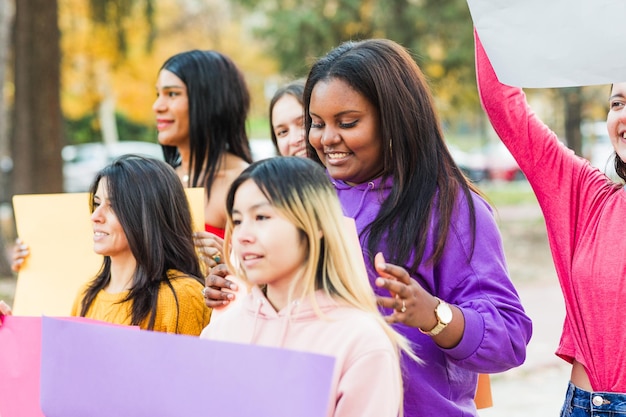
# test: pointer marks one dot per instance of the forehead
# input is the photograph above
(169, 79)
(335, 94)
(249, 193)
(102, 190)
(286, 106)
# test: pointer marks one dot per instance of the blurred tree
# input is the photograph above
(99, 37)
(114, 16)
(7, 9)
(439, 34)
(96, 69)
(37, 129)
(296, 33)
(573, 104)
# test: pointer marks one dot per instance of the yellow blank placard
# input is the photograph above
(58, 230)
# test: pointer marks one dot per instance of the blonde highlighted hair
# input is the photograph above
(300, 191)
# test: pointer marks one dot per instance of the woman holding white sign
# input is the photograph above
(583, 211)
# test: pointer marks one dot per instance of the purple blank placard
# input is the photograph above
(104, 371)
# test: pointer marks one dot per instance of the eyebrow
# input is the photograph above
(170, 87)
(343, 113)
(254, 207)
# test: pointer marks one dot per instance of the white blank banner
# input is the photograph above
(553, 43)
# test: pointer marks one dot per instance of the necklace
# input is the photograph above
(185, 179)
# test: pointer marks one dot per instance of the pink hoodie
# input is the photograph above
(367, 380)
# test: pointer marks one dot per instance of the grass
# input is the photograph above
(508, 193)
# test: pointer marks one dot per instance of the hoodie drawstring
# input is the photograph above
(370, 186)
(285, 319)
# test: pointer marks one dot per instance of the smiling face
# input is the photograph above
(269, 248)
(616, 119)
(109, 238)
(288, 126)
(171, 108)
(345, 132)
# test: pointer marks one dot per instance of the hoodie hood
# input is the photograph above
(354, 197)
(362, 203)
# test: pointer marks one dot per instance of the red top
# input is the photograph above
(215, 230)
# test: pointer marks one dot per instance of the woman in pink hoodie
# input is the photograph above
(284, 232)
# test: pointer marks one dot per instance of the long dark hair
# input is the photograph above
(151, 205)
(294, 89)
(219, 103)
(415, 156)
(620, 166)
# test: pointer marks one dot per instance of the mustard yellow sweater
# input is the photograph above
(191, 316)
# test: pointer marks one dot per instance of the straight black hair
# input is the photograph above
(151, 205)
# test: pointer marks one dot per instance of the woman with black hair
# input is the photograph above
(150, 275)
(201, 109)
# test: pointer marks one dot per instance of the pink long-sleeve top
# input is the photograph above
(585, 219)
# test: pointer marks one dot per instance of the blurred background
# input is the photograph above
(77, 80)
(78, 77)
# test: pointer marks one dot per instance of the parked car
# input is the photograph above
(501, 166)
(82, 162)
(493, 162)
(472, 164)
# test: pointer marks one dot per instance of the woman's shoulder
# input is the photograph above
(232, 166)
(181, 307)
(363, 327)
(229, 324)
(182, 283)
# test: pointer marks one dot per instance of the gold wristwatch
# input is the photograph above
(443, 313)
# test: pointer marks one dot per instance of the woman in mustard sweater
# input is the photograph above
(150, 275)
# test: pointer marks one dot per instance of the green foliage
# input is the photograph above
(81, 130)
(299, 33)
(86, 129)
(115, 15)
(439, 34)
(258, 127)
(512, 193)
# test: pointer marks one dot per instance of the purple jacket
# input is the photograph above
(497, 329)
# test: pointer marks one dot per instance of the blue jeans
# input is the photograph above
(581, 403)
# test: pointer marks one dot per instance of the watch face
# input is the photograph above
(444, 313)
